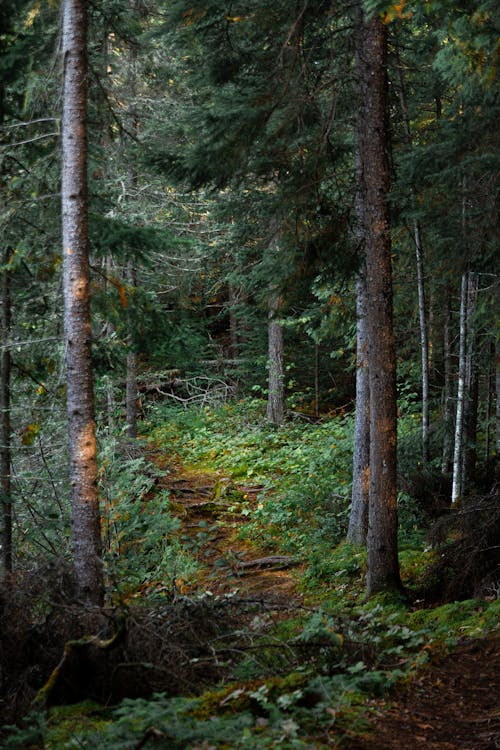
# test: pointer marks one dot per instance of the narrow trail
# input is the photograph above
(212, 510)
(453, 704)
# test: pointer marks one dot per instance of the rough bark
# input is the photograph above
(457, 481)
(77, 328)
(382, 551)
(358, 519)
(5, 432)
(276, 393)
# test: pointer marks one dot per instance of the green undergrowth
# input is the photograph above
(310, 692)
(299, 680)
(302, 470)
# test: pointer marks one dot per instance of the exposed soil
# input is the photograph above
(210, 507)
(452, 705)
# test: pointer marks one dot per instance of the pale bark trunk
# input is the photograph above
(382, 551)
(419, 258)
(471, 385)
(5, 433)
(446, 465)
(358, 519)
(456, 489)
(77, 326)
(276, 395)
(424, 343)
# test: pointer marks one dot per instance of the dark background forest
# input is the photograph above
(249, 267)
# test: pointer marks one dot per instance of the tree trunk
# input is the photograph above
(497, 397)
(131, 389)
(131, 383)
(77, 324)
(276, 396)
(457, 482)
(358, 519)
(383, 567)
(316, 379)
(424, 343)
(490, 388)
(419, 258)
(5, 433)
(446, 464)
(469, 454)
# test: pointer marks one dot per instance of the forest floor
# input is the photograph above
(452, 704)
(209, 507)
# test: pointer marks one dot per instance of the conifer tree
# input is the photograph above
(382, 550)
(77, 325)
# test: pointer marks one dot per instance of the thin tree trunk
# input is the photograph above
(5, 434)
(419, 257)
(276, 395)
(233, 322)
(456, 489)
(131, 389)
(358, 519)
(469, 454)
(424, 343)
(497, 397)
(382, 549)
(489, 400)
(131, 382)
(77, 324)
(446, 464)
(316, 379)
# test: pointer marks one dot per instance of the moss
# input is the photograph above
(415, 565)
(246, 696)
(66, 723)
(471, 618)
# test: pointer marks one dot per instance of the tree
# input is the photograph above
(76, 290)
(383, 567)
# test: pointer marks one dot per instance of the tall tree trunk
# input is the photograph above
(469, 454)
(419, 258)
(382, 550)
(316, 379)
(77, 324)
(489, 400)
(5, 433)
(497, 398)
(424, 343)
(276, 393)
(446, 463)
(457, 481)
(131, 381)
(233, 322)
(5, 436)
(131, 389)
(358, 519)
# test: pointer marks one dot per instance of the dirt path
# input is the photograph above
(212, 509)
(452, 705)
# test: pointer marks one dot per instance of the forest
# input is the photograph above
(249, 374)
